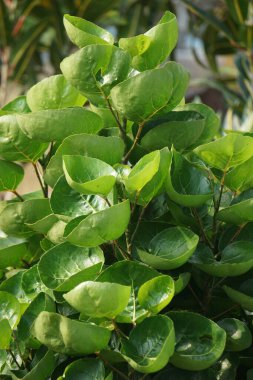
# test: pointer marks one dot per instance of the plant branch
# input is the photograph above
(141, 126)
(226, 311)
(203, 233)
(17, 195)
(196, 298)
(216, 210)
(237, 233)
(122, 130)
(14, 358)
(137, 224)
(123, 253)
(44, 190)
(108, 364)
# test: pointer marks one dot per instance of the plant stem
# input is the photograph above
(196, 298)
(125, 159)
(137, 225)
(121, 374)
(216, 210)
(225, 312)
(44, 190)
(122, 130)
(237, 233)
(123, 253)
(14, 358)
(18, 195)
(203, 233)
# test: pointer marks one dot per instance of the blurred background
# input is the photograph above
(215, 45)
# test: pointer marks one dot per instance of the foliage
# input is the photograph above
(138, 264)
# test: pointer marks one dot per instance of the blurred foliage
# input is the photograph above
(33, 39)
(226, 28)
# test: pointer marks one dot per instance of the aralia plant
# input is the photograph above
(135, 258)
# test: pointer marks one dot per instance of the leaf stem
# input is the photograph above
(203, 233)
(237, 233)
(18, 195)
(43, 188)
(196, 298)
(216, 210)
(14, 358)
(122, 130)
(108, 364)
(141, 126)
(137, 225)
(225, 312)
(123, 253)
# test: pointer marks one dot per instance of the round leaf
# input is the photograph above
(10, 175)
(199, 341)
(99, 299)
(237, 213)
(238, 334)
(241, 177)
(10, 308)
(85, 369)
(242, 296)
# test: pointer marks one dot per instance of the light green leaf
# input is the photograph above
(82, 32)
(170, 248)
(238, 334)
(152, 48)
(200, 341)
(240, 210)
(65, 266)
(68, 203)
(68, 336)
(234, 260)
(128, 96)
(150, 344)
(181, 79)
(181, 282)
(5, 336)
(186, 184)
(31, 282)
(156, 294)
(14, 144)
(10, 308)
(134, 274)
(85, 369)
(226, 152)
(95, 69)
(18, 105)
(13, 252)
(43, 368)
(56, 125)
(52, 93)
(99, 299)
(11, 175)
(241, 177)
(88, 175)
(100, 227)
(108, 149)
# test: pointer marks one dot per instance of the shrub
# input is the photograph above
(127, 269)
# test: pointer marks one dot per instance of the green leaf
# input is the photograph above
(99, 299)
(199, 341)
(212, 121)
(85, 369)
(82, 32)
(241, 177)
(88, 175)
(56, 125)
(128, 99)
(18, 105)
(242, 296)
(234, 260)
(12, 220)
(178, 129)
(134, 274)
(52, 93)
(186, 184)
(238, 213)
(31, 282)
(41, 303)
(180, 83)
(5, 336)
(13, 252)
(238, 334)
(10, 175)
(100, 227)
(68, 336)
(43, 368)
(226, 152)
(143, 172)
(150, 344)
(170, 248)
(156, 294)
(181, 282)
(65, 266)
(152, 48)
(107, 149)
(68, 203)
(10, 308)
(95, 69)
(14, 144)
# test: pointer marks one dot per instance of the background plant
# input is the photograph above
(139, 262)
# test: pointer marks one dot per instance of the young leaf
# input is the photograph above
(52, 93)
(88, 175)
(150, 344)
(82, 32)
(99, 299)
(170, 249)
(68, 336)
(191, 329)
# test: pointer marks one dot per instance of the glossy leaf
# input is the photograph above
(237, 213)
(170, 248)
(85, 369)
(156, 294)
(227, 152)
(55, 125)
(186, 184)
(88, 175)
(181, 282)
(65, 266)
(82, 32)
(52, 93)
(11, 175)
(234, 260)
(5, 336)
(134, 274)
(100, 227)
(150, 344)
(31, 282)
(13, 252)
(242, 296)
(68, 336)
(199, 341)
(18, 105)
(238, 334)
(152, 48)
(10, 308)
(96, 299)
(241, 177)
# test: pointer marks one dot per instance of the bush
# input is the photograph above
(127, 269)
